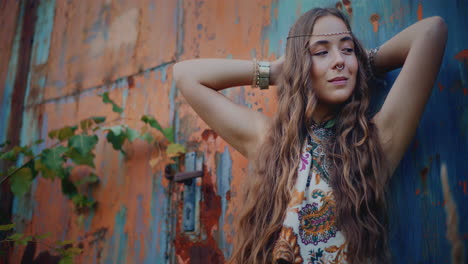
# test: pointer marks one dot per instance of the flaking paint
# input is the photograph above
(77, 54)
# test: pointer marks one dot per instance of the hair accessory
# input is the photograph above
(371, 63)
(325, 34)
(261, 77)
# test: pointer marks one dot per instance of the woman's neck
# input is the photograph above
(323, 113)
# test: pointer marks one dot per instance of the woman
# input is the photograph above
(321, 163)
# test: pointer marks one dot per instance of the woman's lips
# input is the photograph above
(340, 82)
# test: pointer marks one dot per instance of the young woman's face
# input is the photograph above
(334, 63)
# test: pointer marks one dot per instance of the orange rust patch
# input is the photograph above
(463, 185)
(374, 19)
(207, 133)
(462, 56)
(131, 82)
(339, 5)
(348, 7)
(420, 11)
(452, 235)
(441, 87)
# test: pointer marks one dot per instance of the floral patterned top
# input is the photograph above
(309, 234)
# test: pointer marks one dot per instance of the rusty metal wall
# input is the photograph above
(82, 48)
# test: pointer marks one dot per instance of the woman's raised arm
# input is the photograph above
(200, 79)
(419, 49)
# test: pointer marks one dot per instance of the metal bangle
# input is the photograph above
(371, 63)
(264, 74)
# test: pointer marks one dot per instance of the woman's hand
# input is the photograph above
(275, 69)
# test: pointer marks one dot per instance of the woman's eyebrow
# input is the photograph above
(325, 42)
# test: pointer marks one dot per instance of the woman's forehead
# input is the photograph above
(329, 25)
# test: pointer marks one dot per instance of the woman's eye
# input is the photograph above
(320, 53)
(348, 50)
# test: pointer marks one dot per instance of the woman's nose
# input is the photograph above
(338, 58)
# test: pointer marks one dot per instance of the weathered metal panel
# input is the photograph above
(129, 225)
(97, 42)
(9, 35)
(127, 48)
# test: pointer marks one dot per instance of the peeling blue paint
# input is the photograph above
(117, 244)
(179, 24)
(157, 242)
(223, 184)
(88, 220)
(172, 96)
(43, 31)
(139, 230)
(40, 50)
(163, 72)
(11, 76)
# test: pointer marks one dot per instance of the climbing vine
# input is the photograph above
(74, 146)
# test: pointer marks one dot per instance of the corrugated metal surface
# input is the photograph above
(128, 48)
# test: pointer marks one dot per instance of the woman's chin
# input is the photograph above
(335, 100)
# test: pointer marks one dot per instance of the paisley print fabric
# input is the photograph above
(309, 234)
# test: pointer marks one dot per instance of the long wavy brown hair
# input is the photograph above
(358, 176)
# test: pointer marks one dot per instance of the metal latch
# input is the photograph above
(192, 189)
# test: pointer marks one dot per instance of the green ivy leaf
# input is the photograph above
(85, 124)
(83, 143)
(46, 172)
(42, 236)
(116, 140)
(69, 188)
(7, 227)
(31, 164)
(63, 133)
(174, 149)
(80, 159)
(82, 201)
(11, 155)
(66, 260)
(27, 151)
(52, 158)
(15, 236)
(89, 122)
(39, 141)
(24, 241)
(91, 179)
(131, 134)
(107, 100)
(117, 130)
(5, 143)
(64, 243)
(169, 134)
(72, 251)
(98, 119)
(152, 122)
(21, 181)
(147, 137)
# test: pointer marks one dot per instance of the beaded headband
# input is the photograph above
(325, 34)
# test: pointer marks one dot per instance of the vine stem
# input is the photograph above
(38, 241)
(56, 144)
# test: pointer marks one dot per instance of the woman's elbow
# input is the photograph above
(439, 28)
(176, 71)
(178, 74)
